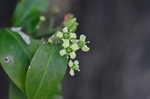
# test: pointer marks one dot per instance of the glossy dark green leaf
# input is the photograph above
(15, 56)
(45, 73)
(15, 93)
(34, 46)
(27, 13)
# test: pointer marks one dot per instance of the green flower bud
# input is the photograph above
(65, 29)
(82, 38)
(72, 55)
(73, 35)
(72, 73)
(42, 18)
(76, 62)
(59, 34)
(63, 52)
(70, 63)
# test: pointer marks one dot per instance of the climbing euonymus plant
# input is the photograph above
(37, 67)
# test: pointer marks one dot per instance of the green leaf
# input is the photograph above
(45, 73)
(34, 46)
(15, 56)
(27, 13)
(15, 93)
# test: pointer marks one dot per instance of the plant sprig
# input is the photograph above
(70, 43)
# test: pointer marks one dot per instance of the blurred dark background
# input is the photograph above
(118, 65)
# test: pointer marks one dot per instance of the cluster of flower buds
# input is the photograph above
(71, 43)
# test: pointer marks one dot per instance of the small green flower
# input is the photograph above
(74, 66)
(66, 43)
(70, 51)
(75, 46)
(63, 52)
(73, 35)
(82, 43)
(73, 55)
